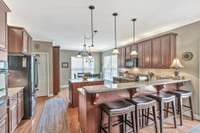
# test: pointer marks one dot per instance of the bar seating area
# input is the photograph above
(143, 108)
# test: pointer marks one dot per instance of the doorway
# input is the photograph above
(43, 74)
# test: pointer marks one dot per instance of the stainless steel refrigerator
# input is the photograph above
(23, 72)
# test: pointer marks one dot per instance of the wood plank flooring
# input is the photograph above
(29, 126)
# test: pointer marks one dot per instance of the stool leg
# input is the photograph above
(161, 116)
(174, 112)
(180, 105)
(147, 117)
(136, 120)
(167, 108)
(109, 124)
(155, 119)
(132, 120)
(101, 121)
(192, 115)
(124, 123)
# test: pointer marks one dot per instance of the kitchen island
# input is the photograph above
(90, 97)
(74, 84)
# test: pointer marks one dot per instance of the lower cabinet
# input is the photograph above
(12, 113)
(3, 119)
(15, 110)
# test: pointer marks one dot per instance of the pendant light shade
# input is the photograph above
(115, 50)
(134, 52)
(92, 48)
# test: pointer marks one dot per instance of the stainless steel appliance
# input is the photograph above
(23, 72)
(3, 81)
(130, 63)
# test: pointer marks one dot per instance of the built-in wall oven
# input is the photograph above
(3, 81)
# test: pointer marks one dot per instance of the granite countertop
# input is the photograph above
(82, 80)
(14, 90)
(126, 78)
(130, 85)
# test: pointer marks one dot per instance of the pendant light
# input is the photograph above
(134, 52)
(92, 48)
(115, 50)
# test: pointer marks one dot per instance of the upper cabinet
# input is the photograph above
(19, 41)
(163, 51)
(121, 57)
(3, 30)
(157, 52)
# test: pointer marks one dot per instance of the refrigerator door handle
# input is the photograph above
(36, 74)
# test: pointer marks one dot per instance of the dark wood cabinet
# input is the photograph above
(147, 54)
(156, 53)
(140, 55)
(56, 70)
(18, 40)
(121, 57)
(128, 52)
(163, 51)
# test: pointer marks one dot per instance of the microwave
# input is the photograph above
(3, 81)
(131, 63)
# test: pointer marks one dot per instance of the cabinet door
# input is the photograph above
(25, 42)
(4, 124)
(20, 108)
(123, 57)
(156, 53)
(2, 29)
(119, 58)
(128, 52)
(13, 117)
(147, 54)
(15, 40)
(140, 55)
(165, 51)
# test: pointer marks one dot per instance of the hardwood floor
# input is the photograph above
(29, 126)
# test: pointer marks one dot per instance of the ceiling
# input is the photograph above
(66, 21)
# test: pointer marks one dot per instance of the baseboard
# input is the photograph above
(196, 116)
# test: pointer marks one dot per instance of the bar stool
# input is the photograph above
(183, 94)
(143, 103)
(164, 98)
(121, 109)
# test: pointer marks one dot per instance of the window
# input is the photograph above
(110, 67)
(80, 66)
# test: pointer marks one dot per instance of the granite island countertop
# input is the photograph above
(109, 87)
(14, 90)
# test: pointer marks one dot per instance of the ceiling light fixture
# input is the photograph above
(92, 48)
(115, 50)
(134, 52)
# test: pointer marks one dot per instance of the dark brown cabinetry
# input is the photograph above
(163, 51)
(18, 40)
(122, 57)
(157, 52)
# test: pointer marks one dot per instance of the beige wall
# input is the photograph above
(47, 47)
(188, 39)
(65, 73)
